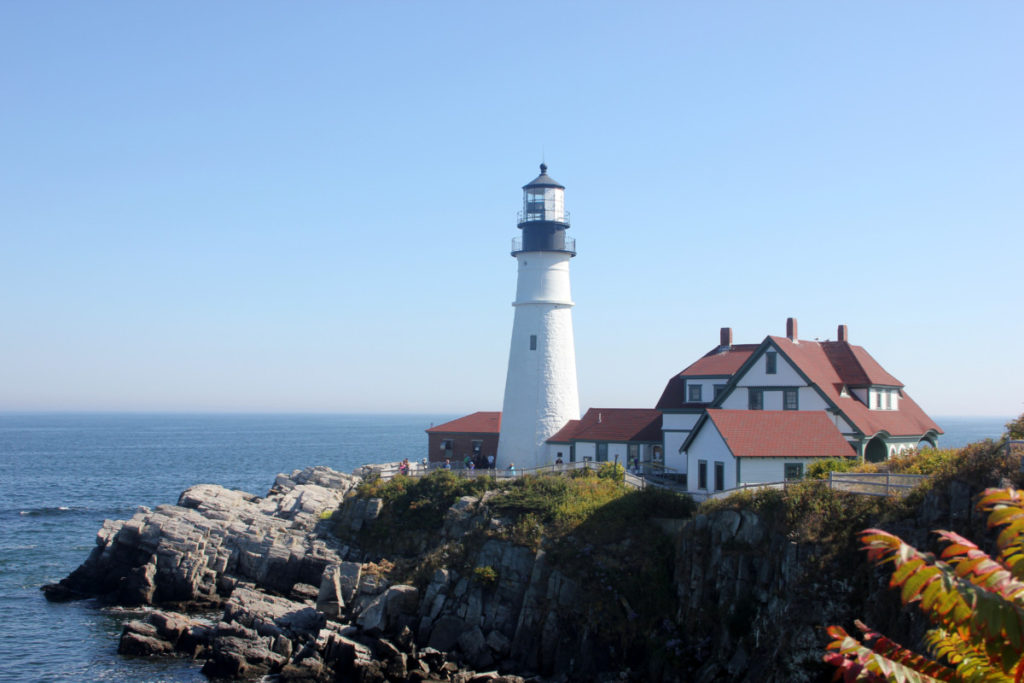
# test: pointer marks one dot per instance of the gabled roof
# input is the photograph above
(481, 422)
(829, 366)
(780, 433)
(721, 361)
(613, 424)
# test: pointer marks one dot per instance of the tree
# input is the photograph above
(1015, 429)
(975, 602)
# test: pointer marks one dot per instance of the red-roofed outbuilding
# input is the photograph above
(629, 436)
(475, 435)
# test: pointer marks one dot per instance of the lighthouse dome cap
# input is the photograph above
(544, 180)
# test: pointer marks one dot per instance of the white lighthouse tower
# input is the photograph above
(540, 390)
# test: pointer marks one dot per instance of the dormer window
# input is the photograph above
(693, 393)
(883, 399)
(770, 362)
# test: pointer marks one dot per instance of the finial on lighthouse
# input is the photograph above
(543, 168)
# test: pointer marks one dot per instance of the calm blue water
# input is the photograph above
(61, 475)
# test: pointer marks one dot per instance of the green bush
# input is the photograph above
(419, 504)
(1015, 429)
(612, 471)
(819, 469)
(485, 575)
(560, 503)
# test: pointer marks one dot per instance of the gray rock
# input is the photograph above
(401, 599)
(373, 618)
(192, 551)
(271, 615)
(724, 524)
(500, 645)
(445, 633)
(233, 657)
(348, 577)
(329, 599)
(474, 647)
(133, 643)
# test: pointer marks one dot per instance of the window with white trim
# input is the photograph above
(790, 399)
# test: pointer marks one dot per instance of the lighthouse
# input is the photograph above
(540, 389)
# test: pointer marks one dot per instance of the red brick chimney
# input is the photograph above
(843, 333)
(791, 328)
(726, 337)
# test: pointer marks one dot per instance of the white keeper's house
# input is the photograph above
(747, 414)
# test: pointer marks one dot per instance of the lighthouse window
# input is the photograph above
(533, 342)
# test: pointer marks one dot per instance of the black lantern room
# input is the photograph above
(544, 219)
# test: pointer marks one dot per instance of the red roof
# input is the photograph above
(565, 434)
(780, 433)
(830, 366)
(481, 422)
(718, 362)
(613, 424)
(855, 366)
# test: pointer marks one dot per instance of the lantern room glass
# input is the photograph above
(544, 204)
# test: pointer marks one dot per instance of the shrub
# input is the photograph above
(612, 471)
(418, 504)
(558, 502)
(974, 601)
(1015, 429)
(485, 575)
(819, 469)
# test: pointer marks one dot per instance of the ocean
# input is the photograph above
(61, 475)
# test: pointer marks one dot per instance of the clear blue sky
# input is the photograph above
(253, 206)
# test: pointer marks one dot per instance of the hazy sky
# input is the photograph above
(253, 206)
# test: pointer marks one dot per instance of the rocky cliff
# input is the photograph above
(357, 597)
(755, 596)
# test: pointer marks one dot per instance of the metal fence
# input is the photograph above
(866, 484)
(874, 483)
